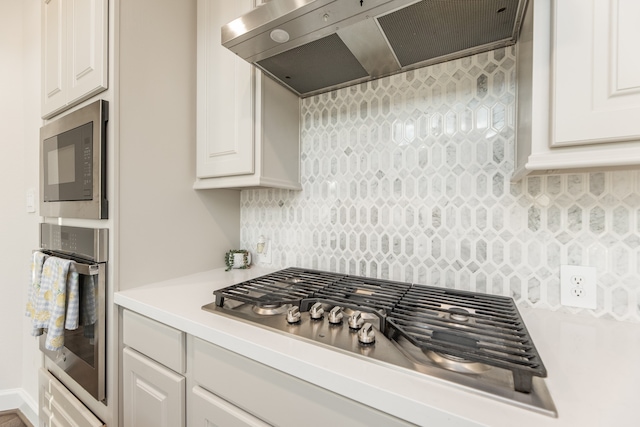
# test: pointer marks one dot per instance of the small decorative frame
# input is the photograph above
(229, 259)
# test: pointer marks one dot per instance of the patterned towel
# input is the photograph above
(54, 299)
(88, 315)
(88, 309)
(36, 276)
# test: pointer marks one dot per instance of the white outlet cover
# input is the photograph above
(265, 257)
(569, 274)
(31, 200)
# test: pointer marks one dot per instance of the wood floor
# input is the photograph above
(13, 419)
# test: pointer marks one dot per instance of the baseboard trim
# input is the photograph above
(17, 398)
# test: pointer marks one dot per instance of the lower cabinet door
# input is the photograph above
(153, 395)
(209, 410)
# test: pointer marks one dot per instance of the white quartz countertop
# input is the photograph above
(593, 364)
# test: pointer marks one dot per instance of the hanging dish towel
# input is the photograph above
(88, 309)
(54, 300)
(37, 262)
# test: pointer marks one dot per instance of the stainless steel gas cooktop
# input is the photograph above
(476, 341)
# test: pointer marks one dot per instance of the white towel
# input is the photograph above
(54, 300)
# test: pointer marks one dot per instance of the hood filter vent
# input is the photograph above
(336, 43)
(432, 29)
(316, 65)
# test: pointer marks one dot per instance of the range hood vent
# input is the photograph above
(313, 46)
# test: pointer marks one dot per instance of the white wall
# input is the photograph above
(165, 229)
(19, 124)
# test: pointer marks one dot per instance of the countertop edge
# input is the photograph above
(414, 397)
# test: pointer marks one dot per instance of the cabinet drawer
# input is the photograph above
(208, 409)
(59, 407)
(162, 343)
(275, 397)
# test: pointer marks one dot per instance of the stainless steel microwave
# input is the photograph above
(73, 153)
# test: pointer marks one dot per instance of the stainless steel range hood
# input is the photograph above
(313, 46)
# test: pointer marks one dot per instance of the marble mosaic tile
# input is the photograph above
(408, 178)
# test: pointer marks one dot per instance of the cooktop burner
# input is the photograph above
(279, 288)
(475, 327)
(474, 340)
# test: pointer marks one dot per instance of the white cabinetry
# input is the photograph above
(247, 125)
(207, 409)
(60, 408)
(578, 86)
(224, 388)
(273, 396)
(153, 395)
(74, 52)
(153, 386)
(596, 67)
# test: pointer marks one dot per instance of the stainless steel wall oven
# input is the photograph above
(83, 356)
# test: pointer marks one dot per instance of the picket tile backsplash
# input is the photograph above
(408, 178)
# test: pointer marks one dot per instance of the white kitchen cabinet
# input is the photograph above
(275, 397)
(578, 86)
(247, 125)
(152, 394)
(224, 388)
(60, 408)
(153, 387)
(74, 52)
(161, 343)
(207, 409)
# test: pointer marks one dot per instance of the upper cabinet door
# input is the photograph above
(226, 96)
(596, 68)
(87, 44)
(74, 52)
(53, 56)
(248, 126)
(578, 86)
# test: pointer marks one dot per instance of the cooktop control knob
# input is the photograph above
(366, 334)
(293, 314)
(355, 320)
(335, 315)
(316, 311)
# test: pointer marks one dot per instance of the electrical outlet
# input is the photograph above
(578, 287)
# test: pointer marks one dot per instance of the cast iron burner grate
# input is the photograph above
(474, 327)
(287, 286)
(375, 296)
(360, 291)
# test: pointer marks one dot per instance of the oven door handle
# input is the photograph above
(81, 267)
(86, 269)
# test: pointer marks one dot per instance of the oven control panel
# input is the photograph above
(88, 243)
